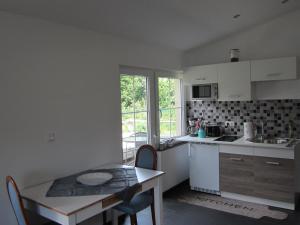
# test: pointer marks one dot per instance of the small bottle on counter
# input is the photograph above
(234, 55)
(201, 133)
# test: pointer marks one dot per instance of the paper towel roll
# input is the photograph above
(248, 130)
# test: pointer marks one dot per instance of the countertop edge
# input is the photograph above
(238, 142)
(173, 146)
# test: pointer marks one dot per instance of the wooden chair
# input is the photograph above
(16, 201)
(146, 158)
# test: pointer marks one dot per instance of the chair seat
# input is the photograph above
(136, 204)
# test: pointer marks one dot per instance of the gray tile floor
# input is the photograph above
(177, 213)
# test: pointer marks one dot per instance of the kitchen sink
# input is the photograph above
(270, 140)
(227, 138)
(288, 142)
(276, 141)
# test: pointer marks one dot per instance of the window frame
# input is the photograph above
(149, 100)
(152, 77)
(181, 105)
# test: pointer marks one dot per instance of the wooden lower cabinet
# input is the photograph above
(263, 177)
(274, 179)
(236, 173)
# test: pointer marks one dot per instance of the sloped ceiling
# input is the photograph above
(180, 24)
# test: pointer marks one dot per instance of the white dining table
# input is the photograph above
(75, 209)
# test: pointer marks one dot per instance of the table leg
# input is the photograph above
(158, 204)
(114, 216)
(71, 220)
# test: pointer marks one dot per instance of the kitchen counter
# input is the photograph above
(239, 142)
(170, 146)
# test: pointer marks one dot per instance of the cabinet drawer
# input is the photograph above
(274, 153)
(273, 69)
(274, 178)
(241, 150)
(236, 173)
(201, 74)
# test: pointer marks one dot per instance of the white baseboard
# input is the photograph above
(284, 205)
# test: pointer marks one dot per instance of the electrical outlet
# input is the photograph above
(229, 123)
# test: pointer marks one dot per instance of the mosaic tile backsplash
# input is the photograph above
(275, 114)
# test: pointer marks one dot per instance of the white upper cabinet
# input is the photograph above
(201, 74)
(234, 81)
(274, 69)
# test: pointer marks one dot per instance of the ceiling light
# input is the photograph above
(236, 16)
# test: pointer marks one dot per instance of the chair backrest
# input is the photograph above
(146, 157)
(16, 201)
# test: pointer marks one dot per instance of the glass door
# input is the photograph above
(135, 114)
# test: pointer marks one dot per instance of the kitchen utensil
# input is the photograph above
(192, 129)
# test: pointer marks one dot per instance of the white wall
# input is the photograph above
(56, 78)
(277, 38)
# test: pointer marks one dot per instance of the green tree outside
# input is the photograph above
(134, 100)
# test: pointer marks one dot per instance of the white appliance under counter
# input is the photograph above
(204, 167)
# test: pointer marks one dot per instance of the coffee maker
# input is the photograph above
(192, 130)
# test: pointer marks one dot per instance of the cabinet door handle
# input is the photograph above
(273, 74)
(273, 163)
(236, 159)
(234, 96)
(201, 78)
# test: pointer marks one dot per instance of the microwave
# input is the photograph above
(204, 91)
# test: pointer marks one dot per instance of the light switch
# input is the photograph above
(51, 137)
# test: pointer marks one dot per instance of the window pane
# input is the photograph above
(175, 122)
(140, 93)
(128, 136)
(164, 92)
(164, 123)
(141, 128)
(127, 124)
(175, 95)
(172, 93)
(127, 91)
(170, 107)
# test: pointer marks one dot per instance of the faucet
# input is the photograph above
(262, 132)
(291, 129)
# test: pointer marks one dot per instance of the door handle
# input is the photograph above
(273, 163)
(234, 96)
(236, 159)
(273, 74)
